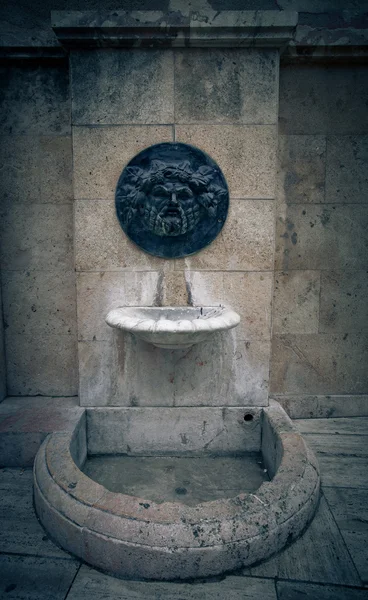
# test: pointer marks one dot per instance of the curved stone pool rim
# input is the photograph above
(137, 538)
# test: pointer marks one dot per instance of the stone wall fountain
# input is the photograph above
(208, 482)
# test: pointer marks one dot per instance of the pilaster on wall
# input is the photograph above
(189, 87)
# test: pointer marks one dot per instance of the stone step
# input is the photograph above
(26, 421)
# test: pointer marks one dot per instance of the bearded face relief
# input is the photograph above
(172, 200)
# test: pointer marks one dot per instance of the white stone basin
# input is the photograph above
(176, 327)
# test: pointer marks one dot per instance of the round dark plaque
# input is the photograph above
(172, 200)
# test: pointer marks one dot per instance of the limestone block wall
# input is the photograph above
(320, 310)
(37, 257)
(224, 102)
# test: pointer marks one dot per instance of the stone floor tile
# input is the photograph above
(29, 578)
(92, 585)
(21, 533)
(338, 445)
(344, 471)
(290, 590)
(320, 555)
(350, 510)
(308, 406)
(346, 426)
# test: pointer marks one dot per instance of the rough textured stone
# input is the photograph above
(330, 426)
(173, 289)
(35, 578)
(344, 302)
(39, 365)
(20, 181)
(318, 100)
(185, 432)
(123, 86)
(346, 169)
(245, 154)
(2, 355)
(319, 364)
(249, 294)
(90, 585)
(128, 372)
(244, 244)
(39, 303)
(322, 237)
(314, 407)
(301, 169)
(101, 153)
(98, 293)
(226, 86)
(296, 302)
(34, 100)
(56, 169)
(37, 237)
(101, 244)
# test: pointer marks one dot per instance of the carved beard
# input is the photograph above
(170, 221)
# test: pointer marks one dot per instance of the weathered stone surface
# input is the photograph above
(296, 302)
(180, 27)
(226, 86)
(319, 364)
(26, 421)
(34, 100)
(186, 431)
(249, 294)
(37, 237)
(290, 590)
(245, 243)
(245, 154)
(128, 372)
(301, 169)
(39, 365)
(98, 293)
(91, 584)
(344, 304)
(101, 153)
(101, 244)
(349, 508)
(35, 578)
(56, 169)
(346, 169)
(322, 237)
(319, 555)
(344, 471)
(330, 426)
(122, 86)
(16, 506)
(2, 356)
(20, 175)
(337, 445)
(318, 100)
(39, 303)
(173, 289)
(314, 407)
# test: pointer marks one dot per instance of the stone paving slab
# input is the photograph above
(30, 578)
(342, 426)
(21, 533)
(350, 510)
(343, 471)
(337, 445)
(93, 585)
(320, 555)
(290, 590)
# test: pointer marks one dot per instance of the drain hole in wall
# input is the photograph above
(248, 417)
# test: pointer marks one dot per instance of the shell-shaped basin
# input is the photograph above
(173, 327)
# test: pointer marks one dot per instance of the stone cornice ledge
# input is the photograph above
(155, 29)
